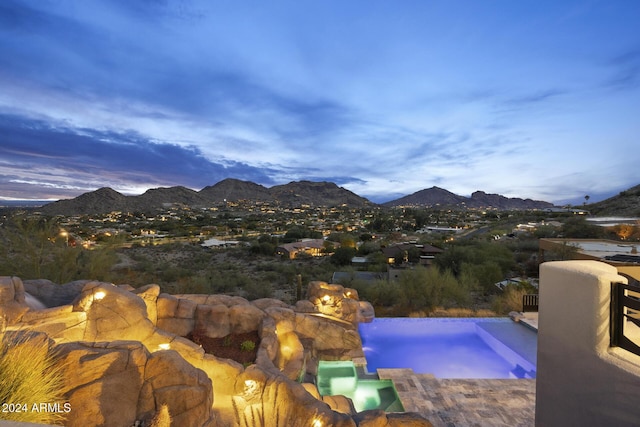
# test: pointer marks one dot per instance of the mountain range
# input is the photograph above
(436, 196)
(293, 194)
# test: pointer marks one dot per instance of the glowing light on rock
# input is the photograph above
(250, 387)
(316, 423)
(99, 295)
(165, 346)
(326, 299)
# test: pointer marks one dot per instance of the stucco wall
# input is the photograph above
(581, 380)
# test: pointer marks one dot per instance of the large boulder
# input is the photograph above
(366, 313)
(187, 391)
(52, 294)
(12, 300)
(340, 404)
(227, 300)
(265, 399)
(113, 313)
(332, 340)
(103, 381)
(149, 295)
(59, 323)
(334, 300)
(264, 303)
(118, 383)
(212, 320)
(245, 318)
(168, 315)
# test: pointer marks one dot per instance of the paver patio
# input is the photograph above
(466, 402)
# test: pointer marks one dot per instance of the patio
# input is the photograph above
(466, 402)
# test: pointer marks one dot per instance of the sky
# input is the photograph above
(531, 98)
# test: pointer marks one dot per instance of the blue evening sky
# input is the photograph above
(530, 98)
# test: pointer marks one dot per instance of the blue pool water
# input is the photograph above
(451, 348)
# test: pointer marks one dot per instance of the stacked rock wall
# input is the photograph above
(125, 354)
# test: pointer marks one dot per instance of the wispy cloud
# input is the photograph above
(536, 97)
(380, 99)
(626, 70)
(118, 159)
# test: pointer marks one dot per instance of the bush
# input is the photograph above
(511, 299)
(247, 345)
(29, 376)
(343, 256)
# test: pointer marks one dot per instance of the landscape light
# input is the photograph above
(99, 295)
(317, 423)
(326, 299)
(250, 387)
(65, 234)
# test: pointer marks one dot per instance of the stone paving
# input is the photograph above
(465, 402)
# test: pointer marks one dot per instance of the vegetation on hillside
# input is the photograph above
(627, 203)
(34, 248)
(462, 277)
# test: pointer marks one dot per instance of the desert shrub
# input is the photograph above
(487, 274)
(29, 376)
(247, 345)
(343, 256)
(423, 288)
(255, 290)
(511, 298)
(461, 312)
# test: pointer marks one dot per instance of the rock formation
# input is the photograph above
(126, 358)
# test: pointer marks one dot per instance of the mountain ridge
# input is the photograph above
(627, 202)
(293, 194)
(436, 196)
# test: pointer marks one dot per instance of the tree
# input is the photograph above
(579, 228)
(343, 256)
(425, 288)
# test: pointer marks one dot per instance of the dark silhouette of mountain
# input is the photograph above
(480, 199)
(439, 197)
(434, 196)
(103, 200)
(172, 195)
(234, 190)
(294, 194)
(310, 193)
(627, 203)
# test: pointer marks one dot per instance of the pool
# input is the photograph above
(451, 348)
(342, 378)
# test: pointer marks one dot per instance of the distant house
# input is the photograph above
(215, 243)
(399, 254)
(312, 247)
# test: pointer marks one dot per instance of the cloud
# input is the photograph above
(533, 97)
(626, 70)
(77, 156)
